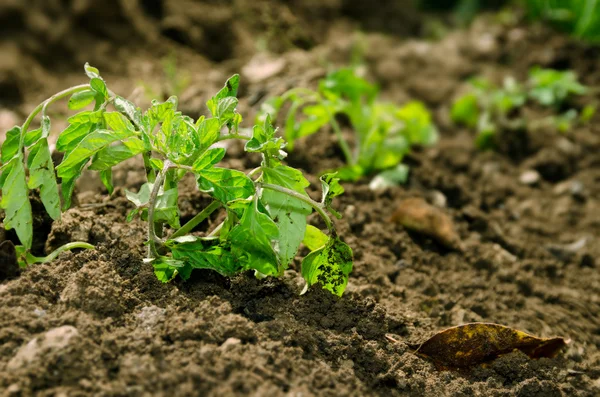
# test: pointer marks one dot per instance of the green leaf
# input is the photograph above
(203, 254)
(465, 110)
(41, 175)
(418, 127)
(68, 183)
(140, 198)
(10, 147)
(288, 213)
(15, 202)
(224, 184)
(91, 72)
(208, 132)
(165, 268)
(128, 108)
(81, 99)
(552, 87)
(226, 109)
(117, 122)
(329, 266)
(112, 155)
(89, 145)
(314, 238)
(346, 83)
(331, 188)
(82, 124)
(32, 137)
(264, 141)
(208, 159)
(106, 178)
(389, 178)
(165, 207)
(99, 86)
(229, 90)
(251, 241)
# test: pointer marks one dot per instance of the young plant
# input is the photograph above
(266, 209)
(383, 132)
(581, 18)
(488, 108)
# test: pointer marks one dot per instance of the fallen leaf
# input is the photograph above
(471, 344)
(417, 215)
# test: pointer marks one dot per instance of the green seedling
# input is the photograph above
(581, 18)
(383, 132)
(488, 108)
(266, 209)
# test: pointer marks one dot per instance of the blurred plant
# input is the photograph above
(581, 18)
(174, 81)
(383, 132)
(488, 108)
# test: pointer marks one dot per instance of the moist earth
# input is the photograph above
(99, 323)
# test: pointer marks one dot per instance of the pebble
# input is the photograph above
(529, 177)
(53, 340)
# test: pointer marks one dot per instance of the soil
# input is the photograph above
(99, 323)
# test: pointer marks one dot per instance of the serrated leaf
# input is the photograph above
(81, 99)
(117, 122)
(41, 175)
(128, 108)
(116, 154)
(32, 137)
(251, 241)
(89, 145)
(229, 90)
(329, 266)
(288, 213)
(165, 268)
(107, 181)
(165, 207)
(99, 86)
(226, 109)
(82, 124)
(203, 254)
(314, 238)
(68, 183)
(10, 147)
(208, 159)
(15, 202)
(264, 140)
(331, 188)
(224, 184)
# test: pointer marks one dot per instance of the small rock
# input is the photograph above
(529, 177)
(53, 340)
(438, 199)
(262, 67)
(229, 343)
(149, 316)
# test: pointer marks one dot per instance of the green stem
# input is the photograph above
(343, 144)
(195, 221)
(43, 105)
(152, 238)
(292, 193)
(233, 136)
(67, 247)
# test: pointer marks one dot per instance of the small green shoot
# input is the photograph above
(266, 209)
(489, 109)
(383, 132)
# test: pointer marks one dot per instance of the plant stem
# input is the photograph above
(195, 221)
(292, 193)
(233, 136)
(343, 144)
(43, 105)
(58, 251)
(152, 238)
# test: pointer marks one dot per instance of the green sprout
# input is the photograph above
(383, 132)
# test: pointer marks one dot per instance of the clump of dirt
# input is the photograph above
(98, 322)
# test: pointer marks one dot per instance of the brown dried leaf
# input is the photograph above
(474, 343)
(417, 215)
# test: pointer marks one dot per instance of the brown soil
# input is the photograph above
(99, 323)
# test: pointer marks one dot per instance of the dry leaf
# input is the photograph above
(474, 343)
(417, 215)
